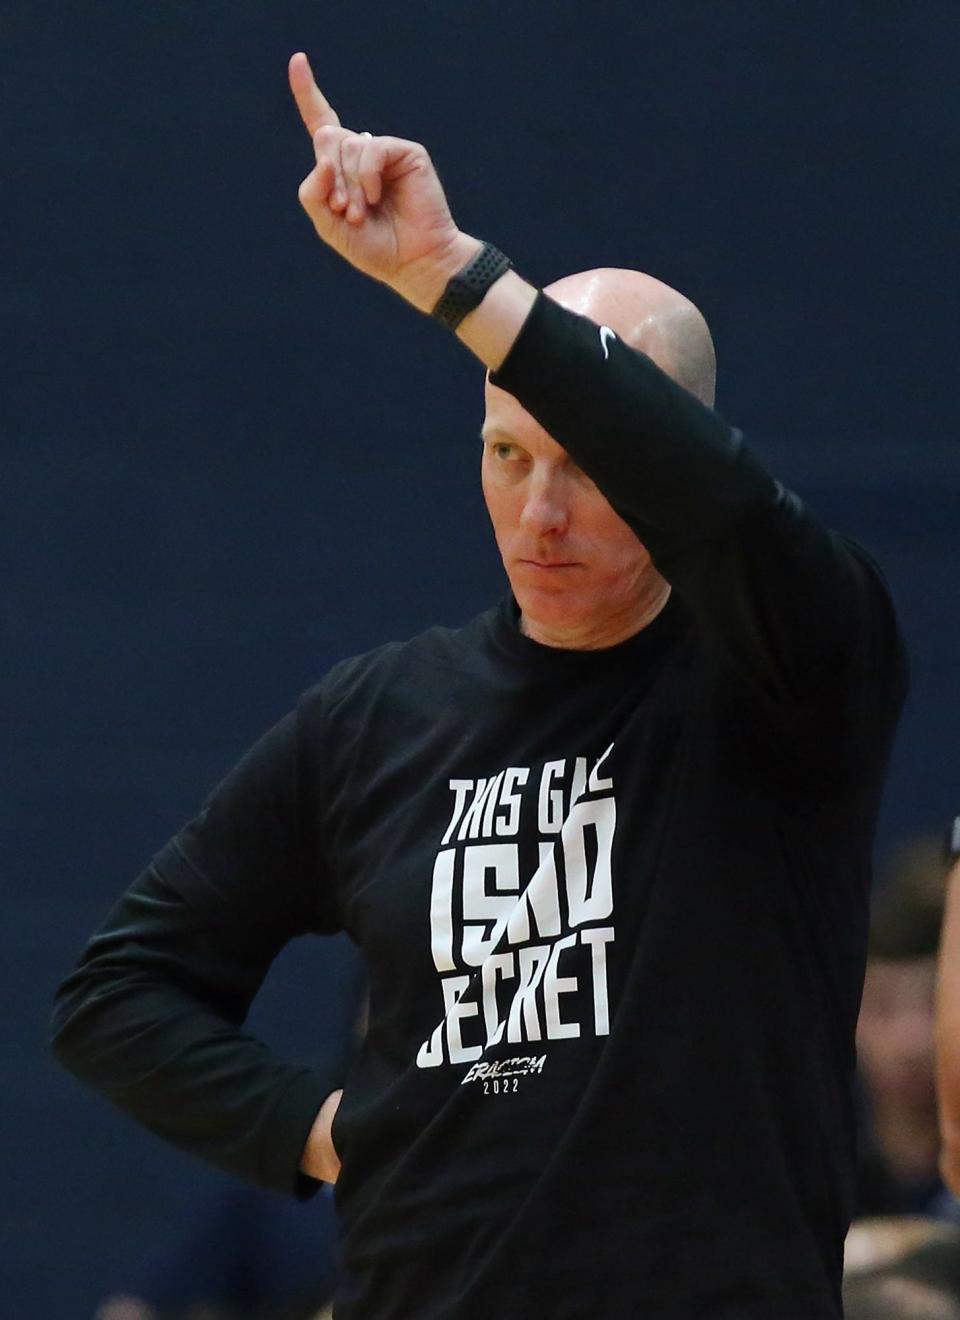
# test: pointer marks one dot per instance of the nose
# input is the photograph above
(545, 508)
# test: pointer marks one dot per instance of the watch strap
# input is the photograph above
(466, 290)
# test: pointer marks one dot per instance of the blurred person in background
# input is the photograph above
(900, 1147)
(948, 1020)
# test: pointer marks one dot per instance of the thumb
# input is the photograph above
(313, 194)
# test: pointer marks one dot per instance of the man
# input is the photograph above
(605, 850)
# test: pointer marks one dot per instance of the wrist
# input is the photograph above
(491, 329)
(424, 282)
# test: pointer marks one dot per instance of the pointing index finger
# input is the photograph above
(315, 110)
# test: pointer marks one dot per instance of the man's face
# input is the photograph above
(575, 567)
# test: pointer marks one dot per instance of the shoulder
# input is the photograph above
(427, 662)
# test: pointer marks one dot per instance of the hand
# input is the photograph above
(319, 1159)
(377, 201)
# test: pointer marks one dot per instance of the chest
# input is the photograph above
(470, 843)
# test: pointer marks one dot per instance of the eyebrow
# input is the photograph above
(487, 431)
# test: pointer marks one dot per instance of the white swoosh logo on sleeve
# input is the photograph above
(606, 334)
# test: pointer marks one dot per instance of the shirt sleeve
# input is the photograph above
(153, 1014)
(788, 603)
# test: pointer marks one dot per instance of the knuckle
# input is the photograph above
(377, 156)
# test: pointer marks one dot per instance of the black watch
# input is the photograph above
(466, 289)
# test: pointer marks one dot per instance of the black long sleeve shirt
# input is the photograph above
(613, 906)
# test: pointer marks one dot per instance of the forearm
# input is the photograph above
(785, 599)
(151, 1018)
(948, 1034)
(211, 1090)
(668, 464)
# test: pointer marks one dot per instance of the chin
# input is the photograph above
(554, 609)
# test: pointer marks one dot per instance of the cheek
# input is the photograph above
(617, 549)
(503, 508)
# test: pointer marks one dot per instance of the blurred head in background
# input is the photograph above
(895, 1033)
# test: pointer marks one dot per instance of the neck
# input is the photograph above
(599, 633)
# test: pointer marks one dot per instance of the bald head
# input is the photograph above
(647, 315)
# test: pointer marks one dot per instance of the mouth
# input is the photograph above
(549, 565)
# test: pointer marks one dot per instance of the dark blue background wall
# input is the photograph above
(227, 460)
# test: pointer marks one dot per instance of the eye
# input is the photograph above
(504, 451)
(511, 460)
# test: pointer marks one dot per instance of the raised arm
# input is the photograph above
(797, 610)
